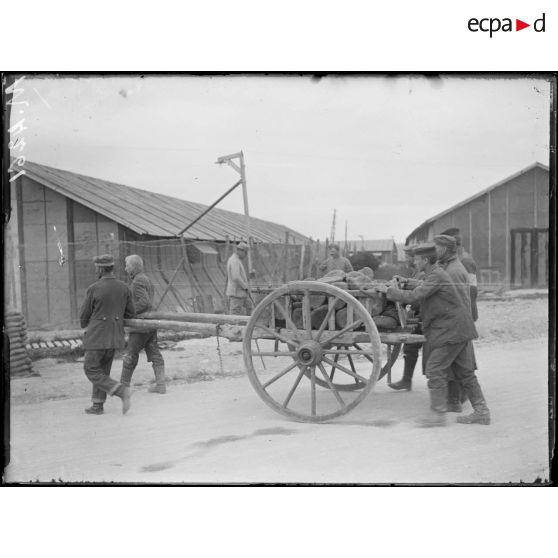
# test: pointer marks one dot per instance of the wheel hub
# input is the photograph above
(309, 353)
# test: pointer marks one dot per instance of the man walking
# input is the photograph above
(107, 302)
(142, 340)
(449, 331)
(237, 282)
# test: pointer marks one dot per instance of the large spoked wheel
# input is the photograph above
(301, 362)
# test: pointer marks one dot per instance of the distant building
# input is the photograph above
(94, 216)
(385, 249)
(400, 252)
(504, 228)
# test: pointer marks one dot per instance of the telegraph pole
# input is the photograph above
(240, 168)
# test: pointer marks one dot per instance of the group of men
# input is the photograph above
(107, 303)
(443, 290)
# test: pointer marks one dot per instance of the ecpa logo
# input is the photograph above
(492, 25)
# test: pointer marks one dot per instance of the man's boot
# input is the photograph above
(481, 413)
(124, 393)
(454, 397)
(95, 409)
(437, 415)
(408, 370)
(126, 376)
(160, 385)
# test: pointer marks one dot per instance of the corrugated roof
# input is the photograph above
(382, 245)
(151, 213)
(479, 194)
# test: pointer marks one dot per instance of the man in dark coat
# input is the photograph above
(138, 340)
(449, 330)
(447, 250)
(107, 302)
(411, 351)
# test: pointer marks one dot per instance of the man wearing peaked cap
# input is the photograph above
(470, 266)
(449, 331)
(447, 241)
(447, 250)
(106, 260)
(107, 302)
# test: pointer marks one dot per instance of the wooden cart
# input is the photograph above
(311, 372)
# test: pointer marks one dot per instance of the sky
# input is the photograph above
(385, 152)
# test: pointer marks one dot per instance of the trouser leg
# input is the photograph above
(136, 343)
(156, 358)
(97, 364)
(238, 306)
(410, 357)
(455, 393)
(465, 374)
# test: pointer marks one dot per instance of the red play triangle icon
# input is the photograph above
(519, 25)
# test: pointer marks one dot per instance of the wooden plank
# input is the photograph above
(196, 317)
(232, 332)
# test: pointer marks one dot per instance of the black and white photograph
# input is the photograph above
(281, 278)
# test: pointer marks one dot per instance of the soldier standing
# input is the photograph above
(108, 301)
(138, 340)
(447, 250)
(449, 330)
(237, 282)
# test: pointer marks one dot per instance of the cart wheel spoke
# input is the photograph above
(294, 386)
(287, 318)
(330, 384)
(325, 321)
(346, 370)
(337, 334)
(306, 317)
(365, 354)
(313, 390)
(335, 360)
(280, 374)
(278, 336)
(352, 364)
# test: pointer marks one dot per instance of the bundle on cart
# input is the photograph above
(362, 286)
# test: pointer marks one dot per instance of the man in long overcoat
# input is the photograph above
(449, 330)
(107, 302)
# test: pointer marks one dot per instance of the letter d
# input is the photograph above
(535, 25)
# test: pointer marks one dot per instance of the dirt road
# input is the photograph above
(220, 431)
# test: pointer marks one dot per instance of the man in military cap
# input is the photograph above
(410, 350)
(107, 302)
(470, 266)
(449, 331)
(237, 282)
(335, 261)
(139, 340)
